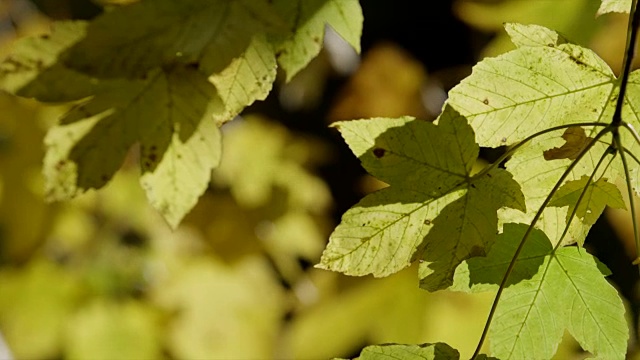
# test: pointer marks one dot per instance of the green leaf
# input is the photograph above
(129, 41)
(33, 68)
(537, 176)
(632, 115)
(437, 351)
(171, 114)
(532, 88)
(380, 234)
(598, 195)
(545, 82)
(548, 292)
(248, 77)
(307, 20)
(485, 273)
(619, 6)
(469, 226)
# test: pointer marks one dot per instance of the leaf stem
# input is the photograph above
(632, 34)
(632, 130)
(633, 157)
(634, 220)
(535, 219)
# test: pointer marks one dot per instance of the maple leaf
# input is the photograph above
(163, 32)
(427, 176)
(597, 196)
(548, 291)
(544, 83)
(307, 20)
(171, 115)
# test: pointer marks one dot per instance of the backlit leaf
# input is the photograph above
(307, 20)
(438, 351)
(533, 88)
(248, 77)
(380, 234)
(171, 114)
(33, 68)
(619, 6)
(165, 32)
(598, 195)
(549, 291)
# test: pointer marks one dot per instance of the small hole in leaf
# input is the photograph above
(379, 152)
(504, 140)
(427, 222)
(485, 101)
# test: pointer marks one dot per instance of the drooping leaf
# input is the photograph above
(380, 234)
(166, 32)
(548, 293)
(171, 114)
(437, 351)
(598, 195)
(307, 20)
(33, 68)
(619, 6)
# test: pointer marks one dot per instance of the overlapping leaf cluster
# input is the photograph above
(548, 100)
(165, 75)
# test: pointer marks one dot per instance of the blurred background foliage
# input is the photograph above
(103, 277)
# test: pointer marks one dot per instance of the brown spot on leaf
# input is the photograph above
(576, 140)
(427, 222)
(104, 178)
(485, 101)
(578, 61)
(379, 152)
